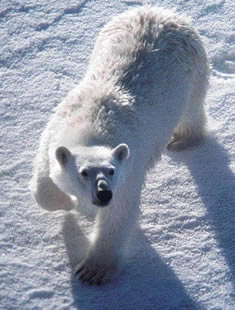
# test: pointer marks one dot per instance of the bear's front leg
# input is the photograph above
(112, 231)
(97, 268)
(49, 196)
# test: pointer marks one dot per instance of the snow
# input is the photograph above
(183, 257)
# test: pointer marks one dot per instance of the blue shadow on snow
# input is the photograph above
(146, 283)
(209, 167)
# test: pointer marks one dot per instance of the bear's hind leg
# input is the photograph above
(192, 127)
(186, 137)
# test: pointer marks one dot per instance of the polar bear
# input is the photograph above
(143, 91)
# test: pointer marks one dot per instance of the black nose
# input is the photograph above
(103, 192)
(104, 196)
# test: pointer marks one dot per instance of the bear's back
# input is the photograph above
(137, 48)
(140, 74)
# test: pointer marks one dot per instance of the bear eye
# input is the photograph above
(84, 173)
(111, 171)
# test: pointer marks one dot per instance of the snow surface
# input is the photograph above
(183, 257)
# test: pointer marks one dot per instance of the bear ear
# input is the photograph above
(62, 155)
(121, 152)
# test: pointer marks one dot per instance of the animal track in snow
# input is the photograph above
(224, 63)
(42, 293)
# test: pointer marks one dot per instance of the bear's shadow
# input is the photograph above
(146, 282)
(209, 167)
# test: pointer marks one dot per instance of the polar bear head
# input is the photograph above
(92, 174)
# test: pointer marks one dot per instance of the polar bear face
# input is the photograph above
(92, 174)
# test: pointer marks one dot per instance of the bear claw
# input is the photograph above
(91, 274)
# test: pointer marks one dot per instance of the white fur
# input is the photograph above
(145, 83)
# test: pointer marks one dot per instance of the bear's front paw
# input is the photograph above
(95, 270)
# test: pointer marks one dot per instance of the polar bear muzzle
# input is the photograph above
(103, 193)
